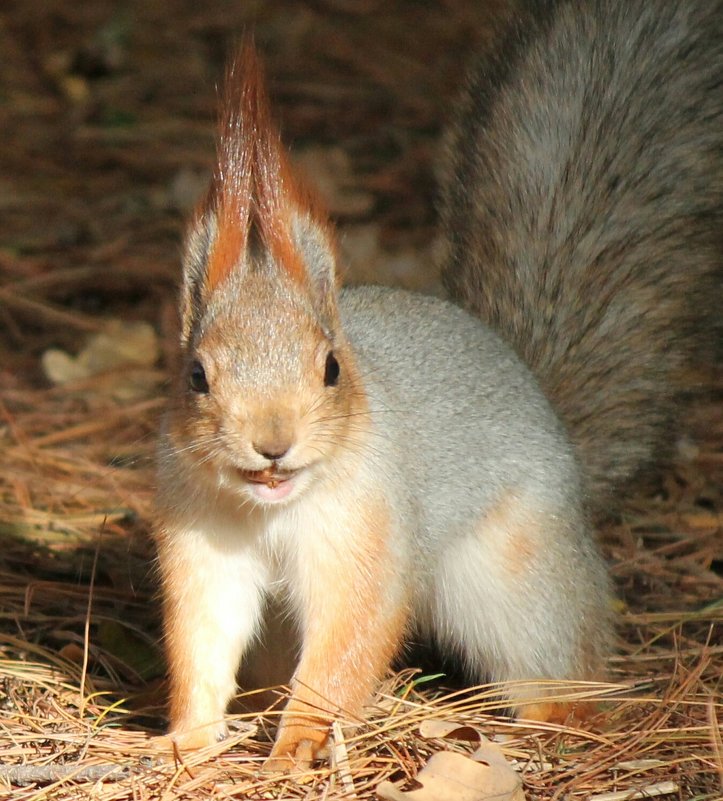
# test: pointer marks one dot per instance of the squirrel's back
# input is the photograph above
(581, 211)
(457, 411)
(484, 489)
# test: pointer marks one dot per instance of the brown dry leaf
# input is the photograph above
(448, 776)
(434, 728)
(72, 652)
(120, 344)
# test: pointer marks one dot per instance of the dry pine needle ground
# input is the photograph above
(106, 118)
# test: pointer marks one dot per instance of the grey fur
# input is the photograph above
(581, 212)
(462, 423)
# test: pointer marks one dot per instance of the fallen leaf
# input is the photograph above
(121, 344)
(73, 653)
(446, 729)
(449, 776)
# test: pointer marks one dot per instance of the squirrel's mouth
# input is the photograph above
(268, 484)
(270, 477)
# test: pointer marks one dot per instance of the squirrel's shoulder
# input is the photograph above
(396, 324)
(445, 387)
(427, 349)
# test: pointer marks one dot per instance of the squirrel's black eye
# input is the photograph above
(197, 378)
(331, 371)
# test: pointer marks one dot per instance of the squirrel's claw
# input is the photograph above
(294, 754)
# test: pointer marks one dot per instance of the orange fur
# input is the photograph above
(254, 183)
(521, 529)
(559, 712)
(354, 624)
(512, 521)
(231, 191)
(178, 628)
(276, 196)
(195, 714)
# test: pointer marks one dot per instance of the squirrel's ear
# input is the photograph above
(316, 243)
(255, 200)
(217, 236)
(198, 238)
(290, 221)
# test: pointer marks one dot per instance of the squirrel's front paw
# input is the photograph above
(296, 748)
(189, 739)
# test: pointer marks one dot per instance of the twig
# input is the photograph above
(86, 630)
(716, 738)
(341, 761)
(652, 790)
(51, 313)
(21, 775)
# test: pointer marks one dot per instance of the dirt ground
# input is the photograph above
(107, 114)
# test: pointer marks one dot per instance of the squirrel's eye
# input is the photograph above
(331, 370)
(197, 378)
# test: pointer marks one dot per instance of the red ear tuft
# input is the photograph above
(230, 196)
(253, 180)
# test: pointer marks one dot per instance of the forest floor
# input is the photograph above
(107, 114)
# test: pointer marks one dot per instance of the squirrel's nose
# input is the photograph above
(272, 449)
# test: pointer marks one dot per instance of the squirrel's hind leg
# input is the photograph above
(523, 597)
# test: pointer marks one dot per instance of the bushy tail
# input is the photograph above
(581, 212)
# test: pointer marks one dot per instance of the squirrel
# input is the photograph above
(380, 461)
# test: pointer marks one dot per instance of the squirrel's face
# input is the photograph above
(267, 396)
(268, 393)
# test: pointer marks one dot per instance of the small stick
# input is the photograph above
(715, 731)
(341, 761)
(20, 775)
(662, 788)
(86, 631)
(51, 313)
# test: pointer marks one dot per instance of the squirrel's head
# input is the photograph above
(268, 392)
